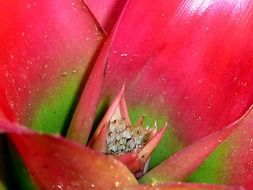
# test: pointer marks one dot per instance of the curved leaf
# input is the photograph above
(182, 186)
(181, 165)
(232, 162)
(106, 11)
(190, 65)
(46, 51)
(56, 163)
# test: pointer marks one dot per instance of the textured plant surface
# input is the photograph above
(78, 77)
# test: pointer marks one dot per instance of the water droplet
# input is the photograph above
(64, 74)
(58, 186)
(46, 66)
(117, 184)
(123, 54)
(12, 56)
(74, 71)
(92, 185)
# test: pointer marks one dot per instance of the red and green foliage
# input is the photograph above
(185, 62)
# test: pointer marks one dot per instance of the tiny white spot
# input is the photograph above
(64, 74)
(92, 185)
(117, 184)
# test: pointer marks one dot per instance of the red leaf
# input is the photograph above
(106, 11)
(237, 167)
(181, 165)
(235, 155)
(46, 48)
(54, 162)
(190, 61)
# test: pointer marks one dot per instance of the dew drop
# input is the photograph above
(64, 74)
(58, 186)
(74, 71)
(123, 54)
(117, 184)
(92, 185)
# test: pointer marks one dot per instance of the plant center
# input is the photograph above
(123, 138)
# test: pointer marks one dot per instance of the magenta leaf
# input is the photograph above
(190, 65)
(183, 163)
(106, 11)
(46, 49)
(54, 162)
(232, 162)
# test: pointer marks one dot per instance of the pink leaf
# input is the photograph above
(189, 61)
(54, 162)
(46, 49)
(106, 11)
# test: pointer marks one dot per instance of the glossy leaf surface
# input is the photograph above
(190, 65)
(232, 162)
(55, 163)
(46, 50)
(181, 165)
(106, 11)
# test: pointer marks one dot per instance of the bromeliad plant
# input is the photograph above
(132, 145)
(188, 63)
